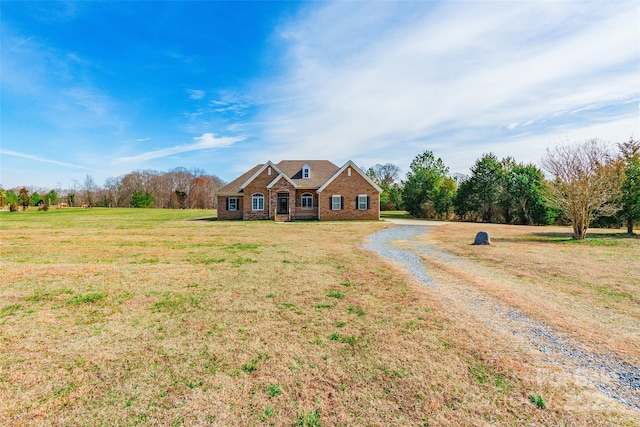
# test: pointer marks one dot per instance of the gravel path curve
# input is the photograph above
(612, 376)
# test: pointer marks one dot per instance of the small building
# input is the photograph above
(300, 189)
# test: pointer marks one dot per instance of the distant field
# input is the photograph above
(165, 317)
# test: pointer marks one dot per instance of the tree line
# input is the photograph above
(586, 185)
(178, 188)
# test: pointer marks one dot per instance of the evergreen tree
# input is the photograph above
(423, 183)
(630, 198)
(480, 194)
(142, 200)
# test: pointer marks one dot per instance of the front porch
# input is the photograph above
(288, 203)
(306, 213)
(295, 213)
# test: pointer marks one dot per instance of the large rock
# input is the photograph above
(482, 238)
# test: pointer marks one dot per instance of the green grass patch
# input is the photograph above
(487, 376)
(88, 298)
(344, 339)
(47, 295)
(8, 310)
(310, 419)
(240, 261)
(537, 400)
(252, 365)
(614, 295)
(150, 260)
(395, 214)
(174, 302)
(325, 305)
(287, 304)
(64, 391)
(335, 294)
(241, 247)
(208, 261)
(269, 412)
(356, 310)
(274, 390)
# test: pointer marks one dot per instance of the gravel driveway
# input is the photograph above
(612, 376)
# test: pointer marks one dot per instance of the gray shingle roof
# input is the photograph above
(321, 171)
(234, 186)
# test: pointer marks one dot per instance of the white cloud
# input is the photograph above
(204, 142)
(196, 93)
(40, 159)
(401, 77)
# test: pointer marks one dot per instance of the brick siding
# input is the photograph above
(258, 185)
(306, 213)
(223, 213)
(349, 187)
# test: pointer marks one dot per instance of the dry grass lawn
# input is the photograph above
(159, 317)
(589, 289)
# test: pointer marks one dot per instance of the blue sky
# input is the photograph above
(106, 88)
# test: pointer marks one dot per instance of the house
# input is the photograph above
(300, 189)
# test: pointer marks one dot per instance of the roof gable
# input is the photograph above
(279, 177)
(355, 168)
(258, 172)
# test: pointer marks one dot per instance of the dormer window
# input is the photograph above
(306, 172)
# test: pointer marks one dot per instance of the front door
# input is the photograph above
(283, 203)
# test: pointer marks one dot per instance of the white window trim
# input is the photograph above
(306, 172)
(257, 202)
(362, 198)
(235, 200)
(334, 198)
(304, 196)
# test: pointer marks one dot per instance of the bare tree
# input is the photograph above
(585, 184)
(89, 190)
(203, 192)
(113, 187)
(385, 174)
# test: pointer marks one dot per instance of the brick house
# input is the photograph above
(300, 189)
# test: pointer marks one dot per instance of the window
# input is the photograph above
(336, 203)
(307, 201)
(257, 202)
(306, 172)
(232, 204)
(363, 202)
(348, 171)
